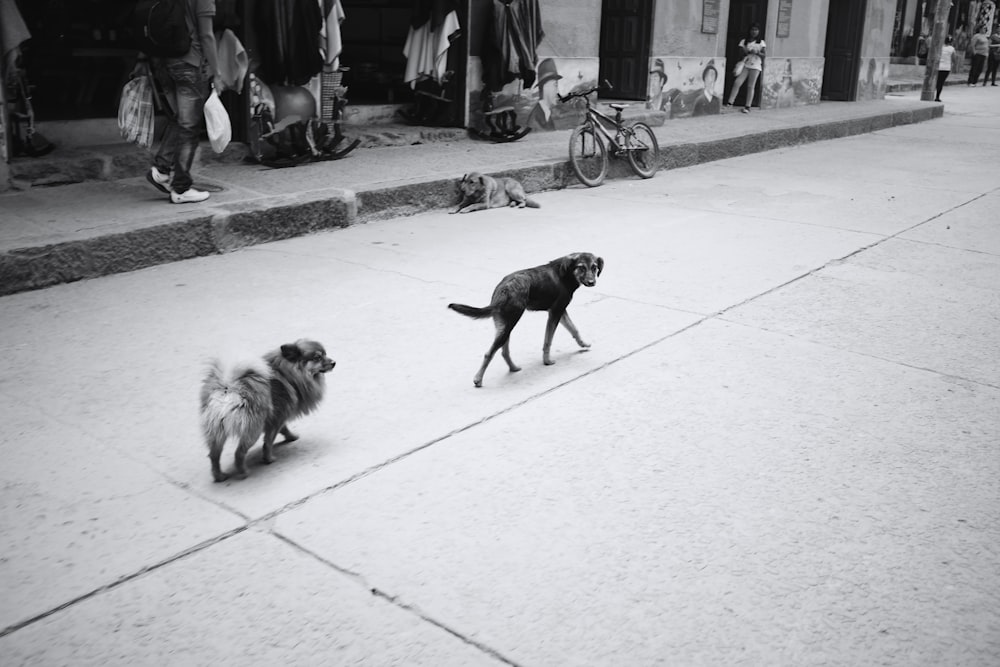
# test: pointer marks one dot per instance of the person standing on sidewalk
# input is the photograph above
(993, 60)
(980, 49)
(944, 66)
(185, 83)
(753, 48)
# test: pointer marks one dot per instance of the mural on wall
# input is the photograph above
(538, 107)
(682, 87)
(872, 79)
(790, 82)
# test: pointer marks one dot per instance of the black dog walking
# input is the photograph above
(547, 287)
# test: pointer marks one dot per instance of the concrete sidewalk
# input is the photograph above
(94, 228)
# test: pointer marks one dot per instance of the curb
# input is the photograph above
(226, 228)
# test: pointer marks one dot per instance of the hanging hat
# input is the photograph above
(547, 71)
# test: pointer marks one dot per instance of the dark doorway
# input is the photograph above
(624, 53)
(742, 15)
(844, 27)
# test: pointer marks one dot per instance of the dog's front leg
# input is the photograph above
(550, 330)
(568, 323)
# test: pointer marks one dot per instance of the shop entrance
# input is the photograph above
(624, 50)
(844, 28)
(376, 67)
(742, 15)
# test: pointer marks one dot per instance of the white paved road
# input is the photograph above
(781, 449)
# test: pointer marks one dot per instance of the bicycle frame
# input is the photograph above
(603, 122)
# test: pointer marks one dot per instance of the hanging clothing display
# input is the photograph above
(288, 40)
(13, 32)
(433, 28)
(333, 45)
(233, 60)
(514, 32)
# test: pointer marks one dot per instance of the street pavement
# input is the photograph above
(781, 448)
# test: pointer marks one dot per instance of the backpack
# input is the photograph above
(159, 28)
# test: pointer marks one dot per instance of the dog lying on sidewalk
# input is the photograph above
(481, 192)
(547, 287)
(242, 400)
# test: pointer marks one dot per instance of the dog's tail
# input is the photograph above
(471, 311)
(531, 203)
(235, 399)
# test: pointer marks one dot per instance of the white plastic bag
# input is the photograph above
(135, 111)
(217, 123)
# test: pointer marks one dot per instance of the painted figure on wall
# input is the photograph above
(657, 82)
(541, 117)
(708, 102)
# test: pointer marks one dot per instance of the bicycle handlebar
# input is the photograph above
(583, 93)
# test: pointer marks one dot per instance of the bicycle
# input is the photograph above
(588, 155)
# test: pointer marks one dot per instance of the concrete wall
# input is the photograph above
(677, 30)
(876, 42)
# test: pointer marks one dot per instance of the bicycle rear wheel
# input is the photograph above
(588, 156)
(642, 151)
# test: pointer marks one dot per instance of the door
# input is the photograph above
(625, 38)
(742, 15)
(844, 27)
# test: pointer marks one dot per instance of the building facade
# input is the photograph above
(455, 62)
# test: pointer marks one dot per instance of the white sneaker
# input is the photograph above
(158, 180)
(189, 196)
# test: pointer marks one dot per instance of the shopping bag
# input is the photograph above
(135, 111)
(217, 123)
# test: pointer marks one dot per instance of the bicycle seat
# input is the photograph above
(618, 107)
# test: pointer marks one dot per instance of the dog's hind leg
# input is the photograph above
(289, 436)
(241, 457)
(504, 321)
(506, 357)
(215, 448)
(568, 323)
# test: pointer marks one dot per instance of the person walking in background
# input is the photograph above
(185, 83)
(753, 48)
(993, 60)
(980, 49)
(944, 66)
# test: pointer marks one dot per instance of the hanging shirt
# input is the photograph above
(334, 13)
(426, 49)
(288, 40)
(510, 50)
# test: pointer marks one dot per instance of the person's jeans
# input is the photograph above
(976, 68)
(186, 88)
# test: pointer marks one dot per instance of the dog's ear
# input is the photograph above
(600, 265)
(291, 352)
(568, 263)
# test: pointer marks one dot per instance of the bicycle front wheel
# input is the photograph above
(642, 150)
(588, 156)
